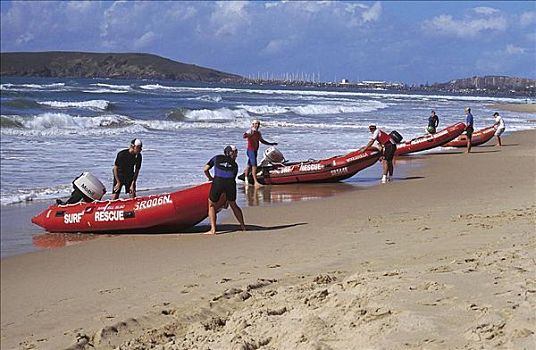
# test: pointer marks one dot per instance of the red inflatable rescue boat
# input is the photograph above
(326, 170)
(479, 137)
(154, 213)
(430, 141)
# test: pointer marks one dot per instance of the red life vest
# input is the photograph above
(383, 138)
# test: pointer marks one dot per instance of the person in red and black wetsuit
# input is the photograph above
(388, 148)
(223, 181)
(254, 137)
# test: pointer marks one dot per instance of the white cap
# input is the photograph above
(136, 142)
(229, 149)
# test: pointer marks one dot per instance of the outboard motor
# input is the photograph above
(272, 156)
(87, 188)
(395, 136)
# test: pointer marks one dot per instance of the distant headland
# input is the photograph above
(152, 67)
(106, 65)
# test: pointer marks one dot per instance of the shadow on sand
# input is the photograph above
(228, 228)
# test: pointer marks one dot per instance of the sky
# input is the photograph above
(411, 42)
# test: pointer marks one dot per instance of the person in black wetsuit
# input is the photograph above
(127, 168)
(223, 182)
(433, 123)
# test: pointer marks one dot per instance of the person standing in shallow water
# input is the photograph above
(126, 169)
(433, 123)
(468, 127)
(253, 135)
(223, 182)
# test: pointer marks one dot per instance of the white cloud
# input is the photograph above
(145, 40)
(79, 6)
(467, 27)
(514, 50)
(229, 16)
(485, 10)
(528, 18)
(373, 13)
(274, 46)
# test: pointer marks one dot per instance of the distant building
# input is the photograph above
(345, 82)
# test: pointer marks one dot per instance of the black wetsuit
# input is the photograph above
(126, 164)
(225, 171)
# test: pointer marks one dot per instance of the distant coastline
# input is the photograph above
(152, 67)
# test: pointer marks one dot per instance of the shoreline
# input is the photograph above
(512, 107)
(21, 236)
(440, 258)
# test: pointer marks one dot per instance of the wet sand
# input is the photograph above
(441, 258)
(512, 107)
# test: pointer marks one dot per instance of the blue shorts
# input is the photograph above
(252, 157)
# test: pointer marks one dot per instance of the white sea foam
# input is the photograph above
(32, 87)
(315, 109)
(55, 124)
(332, 93)
(112, 86)
(91, 104)
(105, 91)
(221, 114)
(208, 98)
(22, 196)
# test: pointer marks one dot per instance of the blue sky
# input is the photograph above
(410, 42)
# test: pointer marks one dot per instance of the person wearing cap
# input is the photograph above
(433, 123)
(500, 127)
(254, 137)
(468, 127)
(126, 169)
(388, 148)
(223, 182)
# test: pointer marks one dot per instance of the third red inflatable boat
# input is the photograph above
(479, 137)
(430, 141)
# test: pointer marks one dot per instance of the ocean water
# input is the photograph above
(54, 129)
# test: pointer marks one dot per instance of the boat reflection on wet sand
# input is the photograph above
(58, 240)
(292, 192)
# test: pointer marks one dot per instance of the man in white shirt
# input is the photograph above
(499, 125)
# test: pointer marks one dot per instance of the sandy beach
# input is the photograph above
(443, 258)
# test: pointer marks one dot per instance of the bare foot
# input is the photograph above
(210, 233)
(258, 185)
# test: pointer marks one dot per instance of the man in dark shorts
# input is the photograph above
(388, 148)
(126, 169)
(468, 127)
(223, 182)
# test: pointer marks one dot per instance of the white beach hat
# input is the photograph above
(136, 142)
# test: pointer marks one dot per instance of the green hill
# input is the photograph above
(106, 65)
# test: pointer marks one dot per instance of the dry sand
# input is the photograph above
(441, 259)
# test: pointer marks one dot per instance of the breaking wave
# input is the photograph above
(28, 87)
(21, 103)
(316, 109)
(91, 104)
